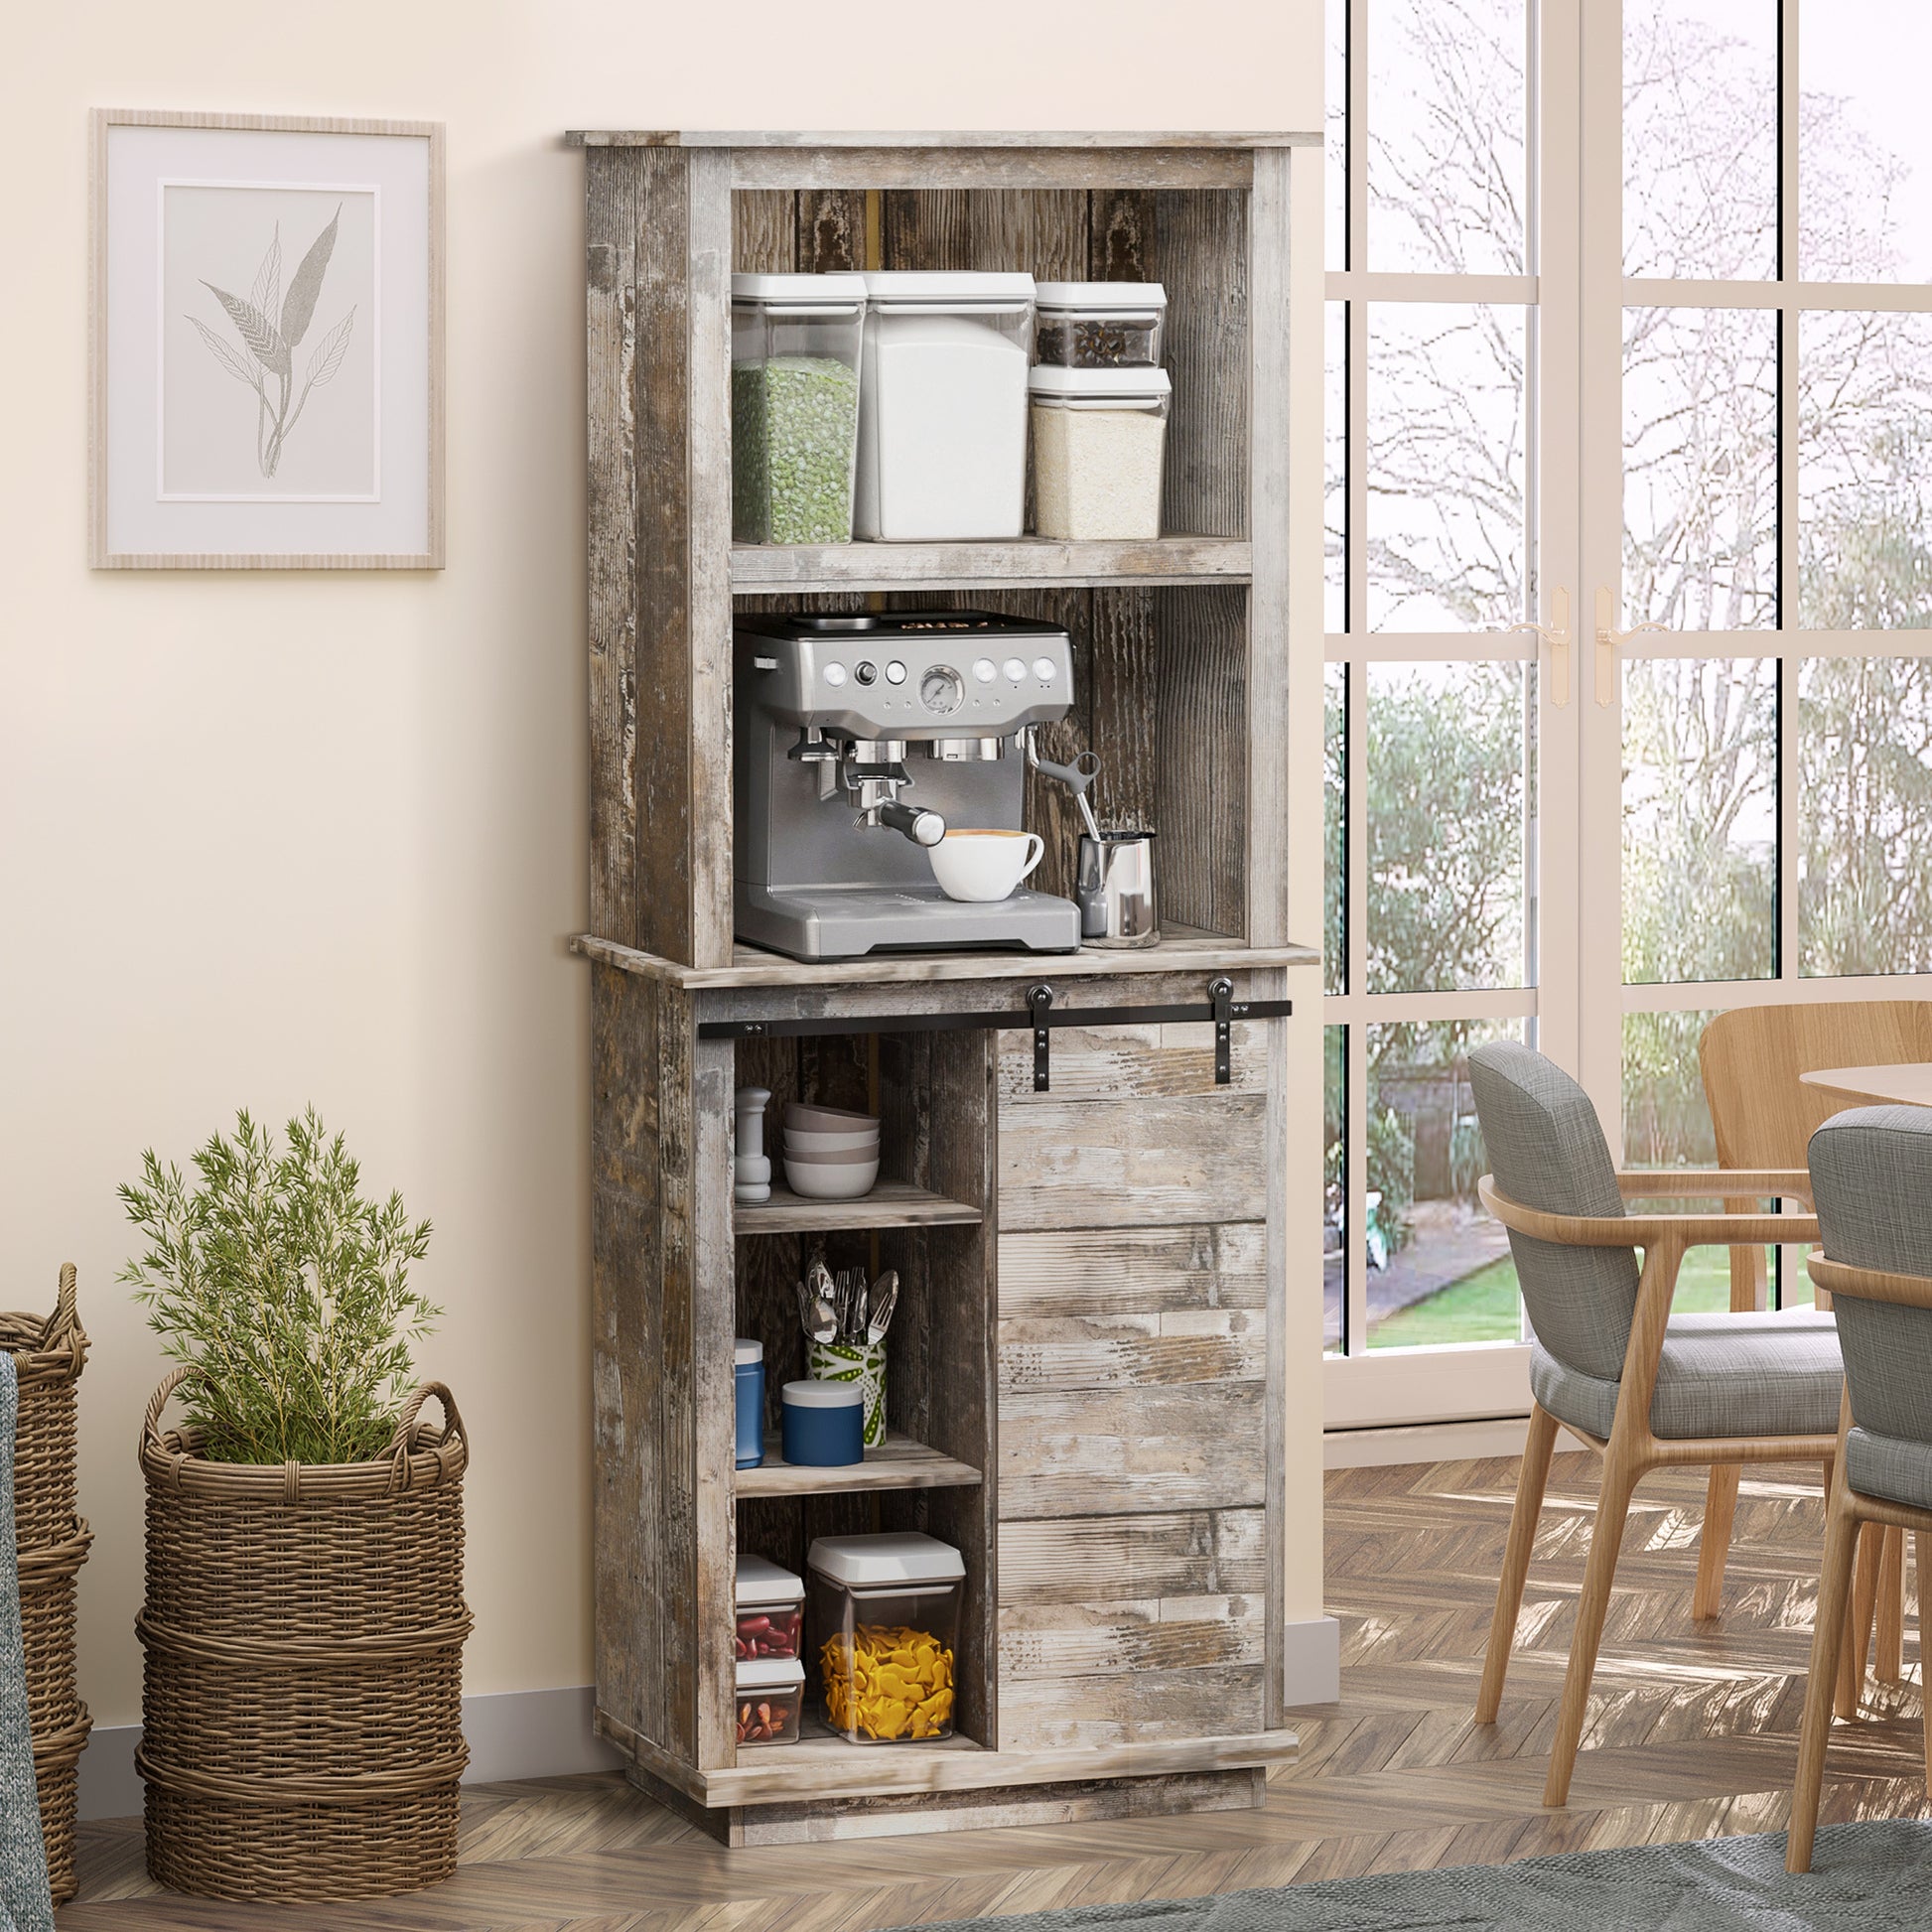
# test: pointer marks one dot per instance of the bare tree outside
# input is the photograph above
(1446, 547)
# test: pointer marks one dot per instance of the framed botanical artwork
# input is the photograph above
(267, 343)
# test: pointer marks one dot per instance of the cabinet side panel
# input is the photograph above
(628, 1365)
(1201, 245)
(707, 476)
(662, 890)
(1201, 703)
(612, 216)
(1267, 681)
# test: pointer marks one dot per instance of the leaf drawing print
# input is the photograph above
(271, 340)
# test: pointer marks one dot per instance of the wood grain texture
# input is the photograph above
(897, 1463)
(1080, 141)
(1394, 1776)
(1182, 948)
(952, 170)
(1152, 1163)
(831, 230)
(1135, 1062)
(1123, 1351)
(1046, 562)
(892, 1204)
(1202, 793)
(1080, 1559)
(1131, 1450)
(1270, 342)
(764, 231)
(1201, 242)
(1123, 1272)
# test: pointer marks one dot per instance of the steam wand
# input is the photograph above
(1076, 778)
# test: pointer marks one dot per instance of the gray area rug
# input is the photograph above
(1865, 1878)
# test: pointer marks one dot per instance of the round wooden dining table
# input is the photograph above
(1908, 1084)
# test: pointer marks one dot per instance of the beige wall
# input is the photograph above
(270, 839)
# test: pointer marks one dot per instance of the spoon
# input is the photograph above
(822, 1323)
(885, 1299)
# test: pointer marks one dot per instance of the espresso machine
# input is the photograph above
(858, 739)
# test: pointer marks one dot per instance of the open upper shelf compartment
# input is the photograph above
(1177, 641)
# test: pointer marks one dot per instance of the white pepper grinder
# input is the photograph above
(752, 1167)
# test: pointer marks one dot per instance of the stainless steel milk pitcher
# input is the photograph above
(1114, 888)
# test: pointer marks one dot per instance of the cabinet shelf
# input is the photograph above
(891, 1205)
(898, 1463)
(1024, 561)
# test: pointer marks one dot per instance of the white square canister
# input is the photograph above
(942, 406)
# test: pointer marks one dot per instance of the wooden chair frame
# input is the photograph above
(1850, 1519)
(1631, 1450)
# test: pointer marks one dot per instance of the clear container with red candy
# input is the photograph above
(769, 1612)
(767, 1698)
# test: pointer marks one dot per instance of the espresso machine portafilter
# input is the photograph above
(858, 739)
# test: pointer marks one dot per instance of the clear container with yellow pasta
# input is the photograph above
(882, 1626)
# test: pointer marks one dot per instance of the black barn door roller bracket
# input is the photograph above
(1041, 1016)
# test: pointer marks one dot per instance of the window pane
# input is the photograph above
(1865, 789)
(1865, 141)
(1446, 427)
(1448, 825)
(1699, 467)
(1334, 80)
(1446, 121)
(1335, 1184)
(1439, 1268)
(1666, 1124)
(1334, 470)
(1701, 138)
(1700, 818)
(1335, 791)
(1864, 541)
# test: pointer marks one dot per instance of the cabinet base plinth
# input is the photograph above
(902, 1814)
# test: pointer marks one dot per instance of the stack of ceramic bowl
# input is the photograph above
(830, 1155)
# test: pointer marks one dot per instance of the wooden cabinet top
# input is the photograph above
(1082, 139)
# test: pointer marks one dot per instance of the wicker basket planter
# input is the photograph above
(302, 1700)
(49, 1353)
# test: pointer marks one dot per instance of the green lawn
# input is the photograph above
(1482, 1307)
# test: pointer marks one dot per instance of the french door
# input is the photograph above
(1630, 338)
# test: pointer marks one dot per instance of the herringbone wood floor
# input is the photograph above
(1692, 1735)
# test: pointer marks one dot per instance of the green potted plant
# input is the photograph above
(304, 1622)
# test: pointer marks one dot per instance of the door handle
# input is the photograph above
(1555, 634)
(1609, 639)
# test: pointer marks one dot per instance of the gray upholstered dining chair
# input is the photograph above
(1610, 1362)
(1872, 1176)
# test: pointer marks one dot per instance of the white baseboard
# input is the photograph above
(514, 1735)
(1433, 1442)
(1312, 1661)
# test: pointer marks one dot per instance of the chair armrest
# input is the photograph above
(1724, 1184)
(1645, 1230)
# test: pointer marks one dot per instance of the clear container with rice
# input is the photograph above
(1100, 324)
(795, 347)
(1099, 445)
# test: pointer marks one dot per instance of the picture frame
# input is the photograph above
(266, 343)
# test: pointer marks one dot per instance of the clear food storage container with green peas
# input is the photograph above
(795, 347)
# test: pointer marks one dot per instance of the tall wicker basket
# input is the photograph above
(49, 1351)
(302, 1701)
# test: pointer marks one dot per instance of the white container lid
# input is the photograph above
(968, 288)
(867, 1561)
(1089, 385)
(1101, 298)
(745, 1349)
(762, 1585)
(830, 294)
(823, 1395)
(771, 1674)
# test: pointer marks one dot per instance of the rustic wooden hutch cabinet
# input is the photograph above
(1086, 1381)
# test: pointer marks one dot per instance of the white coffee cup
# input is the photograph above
(977, 865)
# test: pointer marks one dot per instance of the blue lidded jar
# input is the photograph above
(749, 1368)
(824, 1423)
